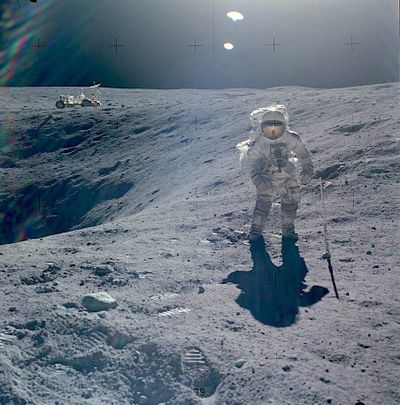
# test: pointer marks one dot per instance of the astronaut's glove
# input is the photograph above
(306, 175)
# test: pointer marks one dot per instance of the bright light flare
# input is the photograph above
(228, 46)
(235, 15)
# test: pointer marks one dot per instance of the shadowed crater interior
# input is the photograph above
(58, 206)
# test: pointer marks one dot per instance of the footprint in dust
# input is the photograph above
(198, 373)
(174, 311)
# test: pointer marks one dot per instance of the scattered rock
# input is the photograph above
(338, 220)
(71, 250)
(99, 301)
(201, 290)
(227, 233)
(20, 334)
(44, 289)
(49, 274)
(239, 363)
(110, 280)
(166, 254)
(35, 325)
(346, 260)
(103, 270)
(118, 340)
(369, 252)
(39, 338)
(142, 400)
(52, 268)
(332, 171)
(30, 325)
(35, 279)
(87, 394)
(364, 346)
(71, 305)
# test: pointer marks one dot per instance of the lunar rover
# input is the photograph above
(82, 100)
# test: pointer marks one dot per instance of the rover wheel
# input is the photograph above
(86, 103)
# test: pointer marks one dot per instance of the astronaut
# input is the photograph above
(269, 156)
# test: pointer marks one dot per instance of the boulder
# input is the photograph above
(99, 301)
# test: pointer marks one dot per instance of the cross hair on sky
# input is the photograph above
(202, 44)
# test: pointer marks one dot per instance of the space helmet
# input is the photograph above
(274, 113)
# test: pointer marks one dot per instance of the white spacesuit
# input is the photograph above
(269, 156)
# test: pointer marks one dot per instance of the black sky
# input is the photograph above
(155, 35)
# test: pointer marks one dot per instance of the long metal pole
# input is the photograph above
(327, 254)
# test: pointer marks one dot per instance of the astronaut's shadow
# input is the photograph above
(272, 293)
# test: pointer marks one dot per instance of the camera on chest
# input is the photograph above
(279, 154)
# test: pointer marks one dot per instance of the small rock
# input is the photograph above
(166, 254)
(142, 400)
(364, 346)
(38, 339)
(71, 305)
(239, 363)
(369, 252)
(87, 394)
(52, 268)
(201, 290)
(20, 334)
(44, 289)
(118, 340)
(347, 260)
(103, 270)
(99, 301)
(34, 325)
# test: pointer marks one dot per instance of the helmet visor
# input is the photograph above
(273, 129)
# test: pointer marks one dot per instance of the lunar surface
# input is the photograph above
(126, 275)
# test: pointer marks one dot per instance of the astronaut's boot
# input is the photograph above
(289, 232)
(256, 228)
(288, 218)
(260, 214)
